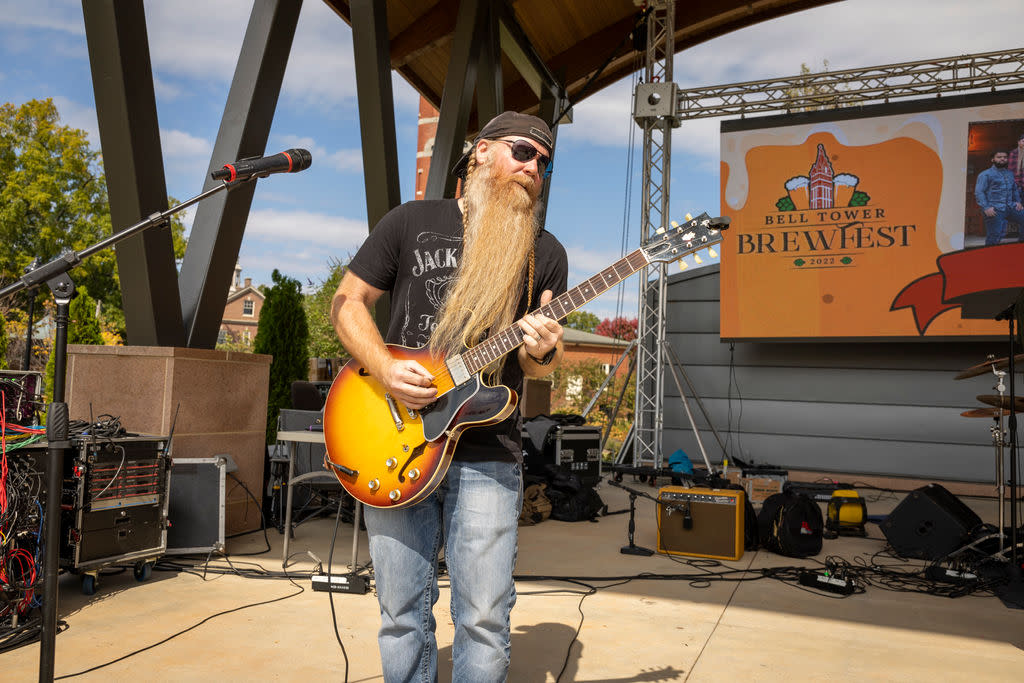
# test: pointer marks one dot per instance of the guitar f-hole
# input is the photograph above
(416, 452)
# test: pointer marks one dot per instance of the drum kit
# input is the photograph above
(998, 407)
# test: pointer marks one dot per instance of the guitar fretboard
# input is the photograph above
(509, 339)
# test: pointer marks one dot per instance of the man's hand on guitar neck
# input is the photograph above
(541, 336)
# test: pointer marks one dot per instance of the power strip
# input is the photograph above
(339, 583)
(831, 584)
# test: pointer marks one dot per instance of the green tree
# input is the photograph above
(583, 321)
(323, 340)
(3, 344)
(284, 334)
(53, 198)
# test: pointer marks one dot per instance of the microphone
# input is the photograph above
(290, 161)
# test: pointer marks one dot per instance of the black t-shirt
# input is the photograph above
(413, 253)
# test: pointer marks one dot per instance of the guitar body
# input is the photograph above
(388, 456)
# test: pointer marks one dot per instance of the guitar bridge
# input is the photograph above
(393, 407)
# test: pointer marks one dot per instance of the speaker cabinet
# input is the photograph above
(701, 522)
(929, 524)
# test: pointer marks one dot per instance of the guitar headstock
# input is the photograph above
(702, 232)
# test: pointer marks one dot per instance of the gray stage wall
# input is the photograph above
(880, 408)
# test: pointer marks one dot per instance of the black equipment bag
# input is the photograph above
(790, 524)
(571, 500)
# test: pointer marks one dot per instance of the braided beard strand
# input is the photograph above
(499, 228)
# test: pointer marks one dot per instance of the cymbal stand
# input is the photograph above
(999, 442)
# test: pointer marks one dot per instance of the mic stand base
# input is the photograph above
(636, 550)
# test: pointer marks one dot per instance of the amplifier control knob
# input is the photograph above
(395, 495)
(374, 484)
(391, 463)
(414, 474)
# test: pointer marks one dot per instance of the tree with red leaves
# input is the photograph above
(618, 328)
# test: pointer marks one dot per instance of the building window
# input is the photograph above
(248, 306)
(222, 336)
(246, 337)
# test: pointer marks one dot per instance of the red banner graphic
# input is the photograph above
(961, 275)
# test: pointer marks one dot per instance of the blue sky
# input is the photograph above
(299, 222)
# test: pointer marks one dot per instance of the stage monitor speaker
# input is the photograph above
(701, 522)
(929, 524)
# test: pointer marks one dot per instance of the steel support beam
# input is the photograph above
(456, 100)
(490, 98)
(376, 119)
(216, 235)
(133, 164)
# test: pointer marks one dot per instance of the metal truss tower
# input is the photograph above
(654, 109)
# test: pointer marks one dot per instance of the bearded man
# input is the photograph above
(458, 270)
(999, 197)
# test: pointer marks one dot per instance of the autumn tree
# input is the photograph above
(618, 328)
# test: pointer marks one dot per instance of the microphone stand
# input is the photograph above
(1012, 592)
(54, 274)
(633, 548)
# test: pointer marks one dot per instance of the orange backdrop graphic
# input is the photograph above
(828, 237)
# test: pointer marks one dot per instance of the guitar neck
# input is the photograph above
(509, 339)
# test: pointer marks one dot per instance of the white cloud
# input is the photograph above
(344, 160)
(58, 15)
(178, 144)
(296, 228)
(79, 115)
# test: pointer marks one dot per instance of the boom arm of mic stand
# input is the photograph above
(70, 258)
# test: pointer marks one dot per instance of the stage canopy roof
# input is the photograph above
(572, 39)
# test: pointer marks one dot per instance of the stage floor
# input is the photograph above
(642, 630)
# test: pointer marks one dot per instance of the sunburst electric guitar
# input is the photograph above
(388, 456)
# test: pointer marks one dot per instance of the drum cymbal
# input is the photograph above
(986, 367)
(1003, 402)
(985, 412)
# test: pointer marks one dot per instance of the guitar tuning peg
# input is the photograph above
(712, 253)
(674, 224)
(688, 216)
(659, 231)
(683, 265)
(696, 258)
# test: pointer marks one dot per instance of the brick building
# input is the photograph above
(241, 311)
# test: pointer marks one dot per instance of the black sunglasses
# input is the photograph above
(523, 151)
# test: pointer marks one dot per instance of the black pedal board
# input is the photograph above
(343, 583)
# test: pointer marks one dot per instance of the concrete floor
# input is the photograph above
(644, 630)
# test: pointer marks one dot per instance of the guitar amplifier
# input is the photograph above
(700, 522)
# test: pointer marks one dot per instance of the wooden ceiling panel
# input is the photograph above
(572, 37)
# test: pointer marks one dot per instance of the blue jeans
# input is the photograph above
(475, 513)
(995, 226)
